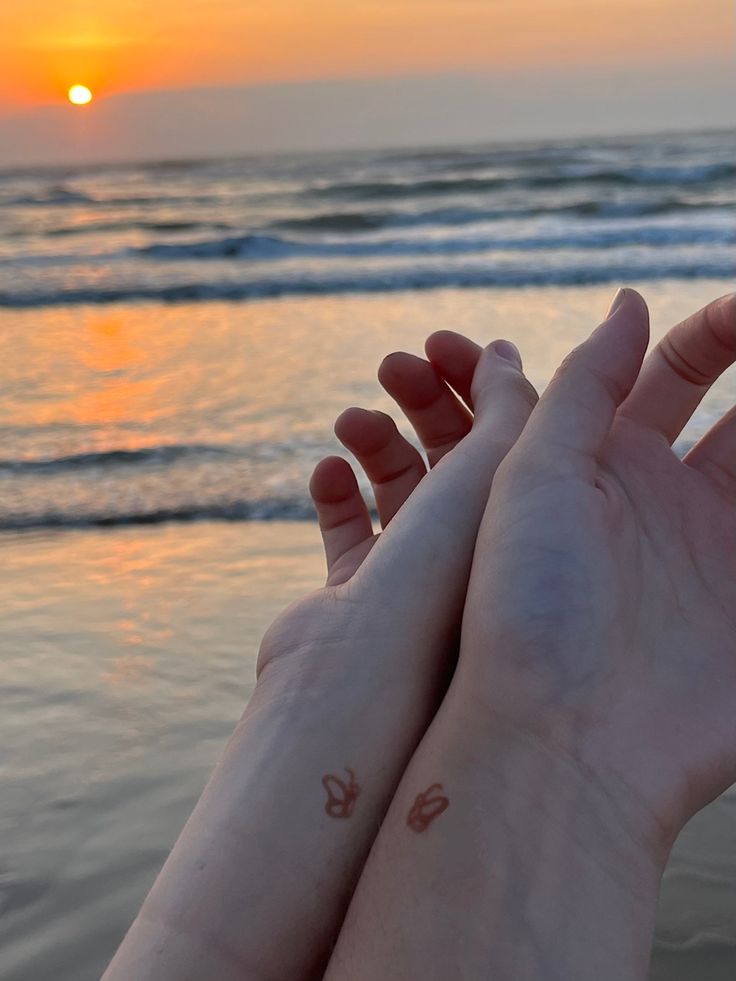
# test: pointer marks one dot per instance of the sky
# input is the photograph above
(182, 78)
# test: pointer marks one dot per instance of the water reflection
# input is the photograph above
(207, 411)
(130, 670)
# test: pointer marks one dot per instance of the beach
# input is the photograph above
(127, 659)
(128, 655)
(161, 414)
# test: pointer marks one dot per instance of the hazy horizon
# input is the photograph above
(389, 148)
(247, 78)
(362, 114)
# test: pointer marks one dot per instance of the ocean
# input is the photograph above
(527, 215)
(176, 340)
(77, 245)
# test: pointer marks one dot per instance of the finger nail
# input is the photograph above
(616, 303)
(507, 351)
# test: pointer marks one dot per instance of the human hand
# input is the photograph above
(594, 704)
(408, 592)
(390, 462)
(260, 878)
(600, 614)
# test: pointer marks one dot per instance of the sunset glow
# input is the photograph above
(114, 49)
(243, 76)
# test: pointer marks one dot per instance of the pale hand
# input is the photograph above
(601, 613)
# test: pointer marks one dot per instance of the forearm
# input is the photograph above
(533, 870)
(257, 885)
(264, 871)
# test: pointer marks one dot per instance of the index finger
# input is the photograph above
(682, 367)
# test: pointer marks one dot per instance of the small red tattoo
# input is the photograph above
(341, 794)
(427, 807)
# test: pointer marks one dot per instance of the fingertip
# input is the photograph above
(350, 421)
(412, 382)
(350, 417)
(628, 322)
(627, 298)
(439, 340)
(448, 345)
(333, 481)
(455, 358)
(508, 352)
(362, 431)
(500, 375)
(394, 367)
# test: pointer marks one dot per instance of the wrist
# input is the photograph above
(565, 858)
(558, 768)
(561, 868)
(334, 657)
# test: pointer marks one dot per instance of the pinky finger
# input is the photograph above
(344, 520)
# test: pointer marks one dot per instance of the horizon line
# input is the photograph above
(408, 148)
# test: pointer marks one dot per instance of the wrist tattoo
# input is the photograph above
(428, 806)
(341, 794)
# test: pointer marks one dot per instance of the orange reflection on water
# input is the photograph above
(128, 669)
(110, 347)
(133, 569)
(110, 353)
(105, 374)
(128, 563)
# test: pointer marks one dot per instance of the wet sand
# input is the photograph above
(127, 656)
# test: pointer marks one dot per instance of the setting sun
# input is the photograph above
(79, 95)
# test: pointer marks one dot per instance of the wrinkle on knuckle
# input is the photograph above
(720, 323)
(379, 480)
(715, 350)
(671, 352)
(439, 441)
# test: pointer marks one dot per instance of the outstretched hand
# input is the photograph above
(425, 391)
(593, 709)
(348, 680)
(597, 635)
(601, 612)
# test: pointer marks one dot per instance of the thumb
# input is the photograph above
(575, 414)
(431, 540)
(502, 395)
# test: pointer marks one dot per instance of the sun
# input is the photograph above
(80, 95)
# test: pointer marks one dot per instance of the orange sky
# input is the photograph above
(128, 45)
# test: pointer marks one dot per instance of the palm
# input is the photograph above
(345, 567)
(613, 585)
(679, 604)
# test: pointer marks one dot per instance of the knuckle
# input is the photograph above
(511, 381)
(683, 367)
